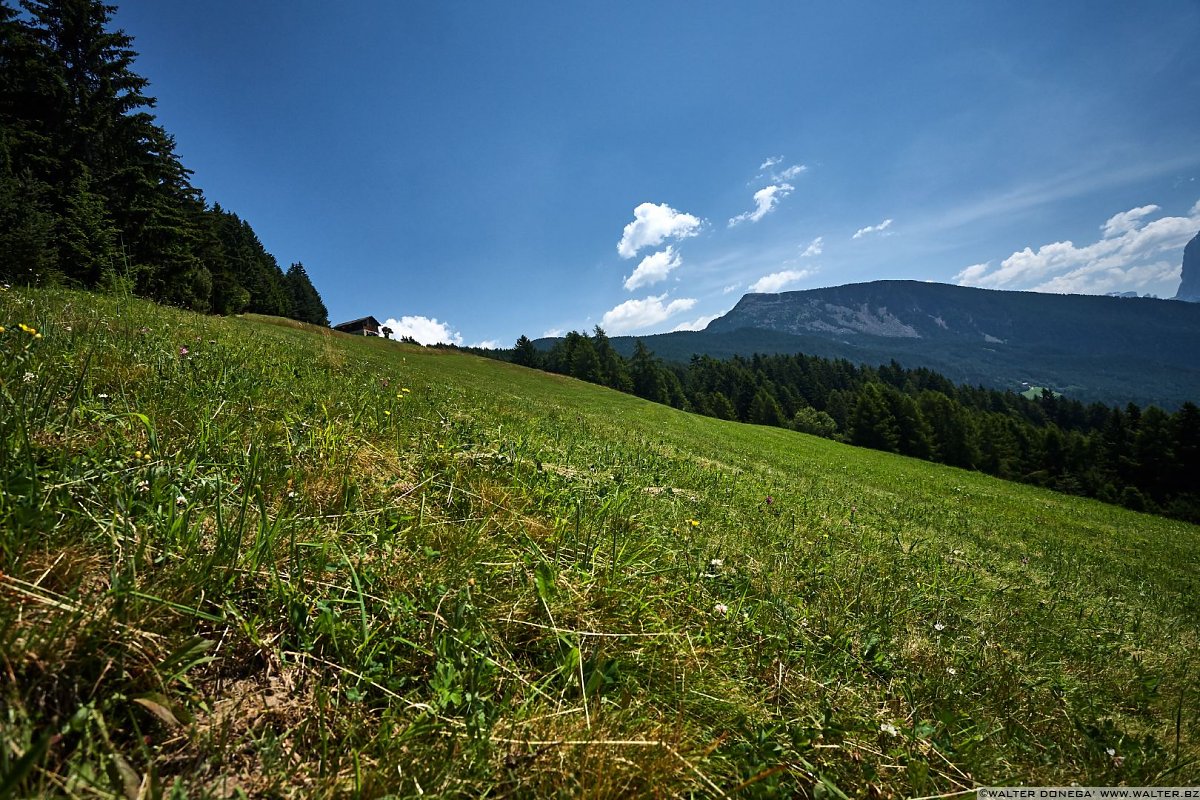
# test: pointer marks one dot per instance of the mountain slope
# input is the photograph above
(1115, 350)
(248, 554)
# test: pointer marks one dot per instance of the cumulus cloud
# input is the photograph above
(488, 344)
(1126, 221)
(636, 314)
(654, 268)
(552, 333)
(861, 232)
(815, 248)
(1132, 255)
(972, 273)
(698, 324)
(765, 200)
(768, 284)
(424, 330)
(652, 225)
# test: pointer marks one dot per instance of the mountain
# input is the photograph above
(1189, 279)
(1109, 349)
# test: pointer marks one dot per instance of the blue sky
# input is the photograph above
(477, 171)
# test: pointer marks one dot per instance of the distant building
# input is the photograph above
(367, 326)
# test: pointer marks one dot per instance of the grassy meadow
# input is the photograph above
(247, 557)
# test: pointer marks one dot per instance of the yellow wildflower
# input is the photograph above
(26, 328)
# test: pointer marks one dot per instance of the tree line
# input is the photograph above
(1144, 459)
(92, 192)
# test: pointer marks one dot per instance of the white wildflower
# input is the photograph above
(720, 609)
(889, 729)
(939, 627)
(29, 377)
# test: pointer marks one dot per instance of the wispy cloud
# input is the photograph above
(652, 225)
(861, 232)
(1132, 255)
(698, 324)
(765, 200)
(1076, 181)
(767, 170)
(654, 268)
(768, 284)
(815, 248)
(791, 172)
(733, 287)
(634, 315)
(425, 330)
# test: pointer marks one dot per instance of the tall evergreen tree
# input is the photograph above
(525, 354)
(306, 303)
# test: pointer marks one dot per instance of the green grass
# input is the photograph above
(292, 563)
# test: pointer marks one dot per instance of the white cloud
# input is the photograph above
(768, 284)
(767, 168)
(861, 232)
(652, 225)
(488, 344)
(698, 324)
(972, 273)
(635, 314)
(815, 247)
(1126, 221)
(1132, 255)
(733, 287)
(424, 330)
(654, 268)
(552, 333)
(791, 172)
(765, 200)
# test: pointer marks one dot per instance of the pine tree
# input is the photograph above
(306, 302)
(525, 354)
(871, 423)
(764, 409)
(647, 376)
(27, 253)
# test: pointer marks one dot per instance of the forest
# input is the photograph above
(93, 194)
(1142, 458)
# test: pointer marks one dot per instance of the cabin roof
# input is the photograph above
(361, 322)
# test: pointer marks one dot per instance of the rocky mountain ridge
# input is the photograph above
(1189, 279)
(1114, 350)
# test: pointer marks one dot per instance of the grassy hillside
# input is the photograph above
(244, 555)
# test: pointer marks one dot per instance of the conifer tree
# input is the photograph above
(306, 303)
(525, 354)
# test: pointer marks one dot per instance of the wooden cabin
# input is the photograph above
(367, 326)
